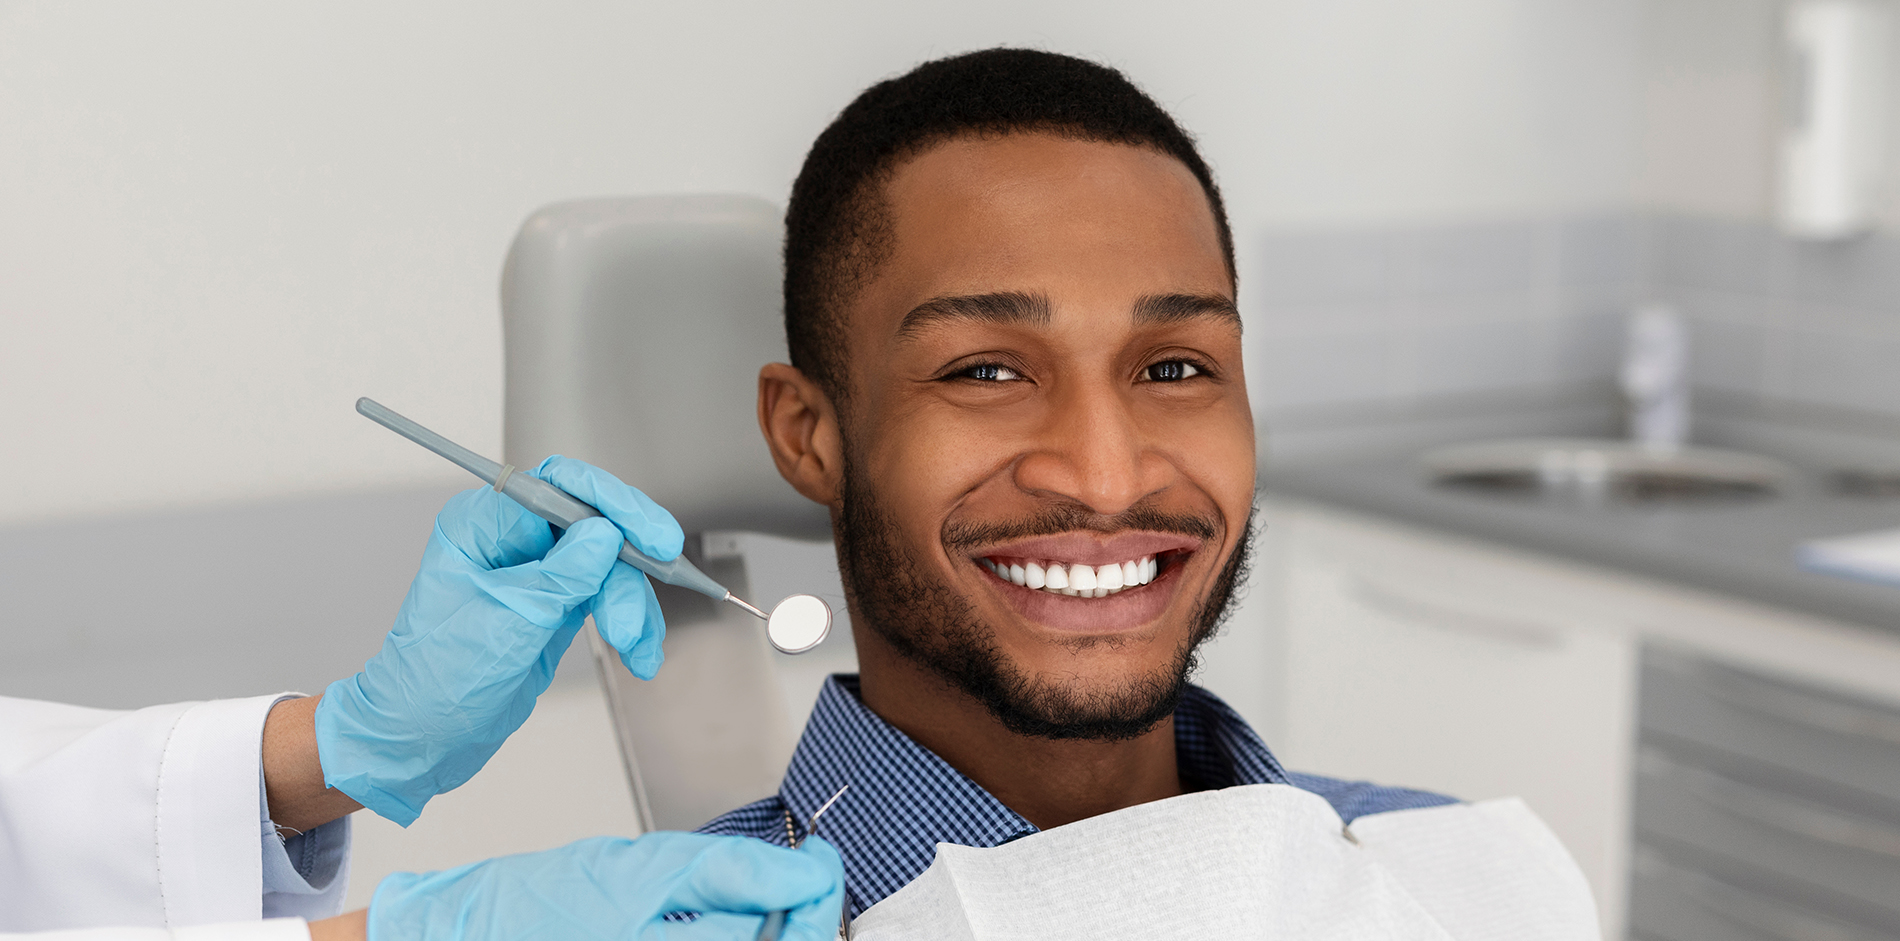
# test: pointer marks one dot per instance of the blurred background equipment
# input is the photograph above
(1834, 149)
(1655, 377)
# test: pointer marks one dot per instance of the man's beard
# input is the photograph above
(930, 623)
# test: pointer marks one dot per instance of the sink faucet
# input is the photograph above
(1655, 377)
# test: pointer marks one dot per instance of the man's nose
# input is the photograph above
(1092, 449)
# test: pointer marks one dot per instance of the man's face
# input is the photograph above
(1046, 386)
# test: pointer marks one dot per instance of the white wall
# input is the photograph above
(224, 221)
(1711, 106)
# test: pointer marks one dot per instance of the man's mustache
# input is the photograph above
(1060, 518)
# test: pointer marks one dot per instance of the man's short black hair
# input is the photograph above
(837, 229)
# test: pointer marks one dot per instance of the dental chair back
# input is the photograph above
(634, 329)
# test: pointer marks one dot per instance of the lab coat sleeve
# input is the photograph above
(142, 819)
(306, 875)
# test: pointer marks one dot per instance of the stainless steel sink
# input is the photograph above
(1600, 469)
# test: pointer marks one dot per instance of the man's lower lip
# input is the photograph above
(1126, 610)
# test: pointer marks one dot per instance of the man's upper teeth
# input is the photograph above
(1085, 581)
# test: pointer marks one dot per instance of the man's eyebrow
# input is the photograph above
(1165, 308)
(1000, 307)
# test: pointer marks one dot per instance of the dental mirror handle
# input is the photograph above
(547, 501)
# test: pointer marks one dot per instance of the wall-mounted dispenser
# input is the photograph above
(1834, 145)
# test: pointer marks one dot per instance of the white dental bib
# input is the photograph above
(1264, 860)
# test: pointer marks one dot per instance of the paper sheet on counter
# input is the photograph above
(1871, 556)
(1264, 860)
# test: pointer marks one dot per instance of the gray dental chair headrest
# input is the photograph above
(635, 329)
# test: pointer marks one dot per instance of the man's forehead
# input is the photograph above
(1009, 228)
(1004, 172)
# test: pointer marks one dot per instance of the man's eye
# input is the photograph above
(990, 372)
(1173, 370)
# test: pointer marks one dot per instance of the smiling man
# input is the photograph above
(1016, 381)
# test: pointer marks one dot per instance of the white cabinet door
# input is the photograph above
(1425, 663)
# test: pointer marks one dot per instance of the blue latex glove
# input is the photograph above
(493, 608)
(613, 888)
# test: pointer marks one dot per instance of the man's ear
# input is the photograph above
(801, 428)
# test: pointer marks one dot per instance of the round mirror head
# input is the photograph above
(798, 624)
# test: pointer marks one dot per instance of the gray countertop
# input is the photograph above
(1743, 548)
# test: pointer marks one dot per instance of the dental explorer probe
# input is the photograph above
(795, 625)
(773, 928)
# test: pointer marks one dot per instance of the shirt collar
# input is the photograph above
(904, 800)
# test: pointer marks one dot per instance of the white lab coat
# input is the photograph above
(149, 825)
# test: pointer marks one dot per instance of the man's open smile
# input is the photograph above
(1074, 579)
(1084, 583)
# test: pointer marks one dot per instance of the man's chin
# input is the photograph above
(1078, 710)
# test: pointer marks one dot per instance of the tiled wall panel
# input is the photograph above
(1410, 314)
(1344, 318)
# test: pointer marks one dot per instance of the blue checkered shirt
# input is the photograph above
(904, 800)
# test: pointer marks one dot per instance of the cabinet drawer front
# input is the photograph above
(1811, 734)
(1837, 861)
(1673, 902)
(1396, 685)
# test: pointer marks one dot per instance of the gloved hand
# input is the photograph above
(493, 608)
(612, 888)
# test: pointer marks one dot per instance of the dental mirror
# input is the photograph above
(798, 623)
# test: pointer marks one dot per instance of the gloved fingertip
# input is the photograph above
(804, 875)
(658, 533)
(740, 874)
(818, 919)
(627, 615)
(646, 523)
(670, 542)
(821, 848)
(645, 668)
(825, 861)
(591, 528)
(595, 536)
(650, 650)
(488, 529)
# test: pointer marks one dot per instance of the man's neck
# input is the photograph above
(1048, 782)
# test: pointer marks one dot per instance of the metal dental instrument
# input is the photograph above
(795, 625)
(774, 926)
